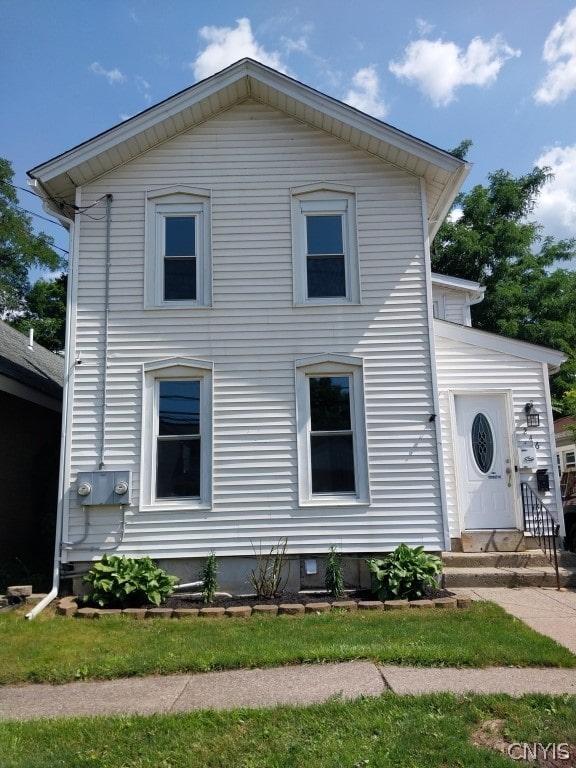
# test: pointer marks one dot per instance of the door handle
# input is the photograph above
(509, 473)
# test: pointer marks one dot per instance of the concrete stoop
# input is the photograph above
(529, 568)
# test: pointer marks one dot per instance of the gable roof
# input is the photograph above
(442, 172)
(467, 335)
(36, 368)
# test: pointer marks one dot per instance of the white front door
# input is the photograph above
(484, 462)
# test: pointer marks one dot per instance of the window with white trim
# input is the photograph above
(177, 434)
(325, 250)
(178, 255)
(332, 451)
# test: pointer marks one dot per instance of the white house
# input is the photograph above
(258, 351)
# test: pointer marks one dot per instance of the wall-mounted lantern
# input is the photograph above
(532, 416)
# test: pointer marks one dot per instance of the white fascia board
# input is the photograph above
(134, 126)
(355, 118)
(444, 204)
(478, 338)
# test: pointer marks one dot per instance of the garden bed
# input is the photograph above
(244, 606)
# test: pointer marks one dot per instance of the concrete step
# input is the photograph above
(527, 559)
(493, 540)
(489, 576)
(530, 568)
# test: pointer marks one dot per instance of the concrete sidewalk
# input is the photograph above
(546, 610)
(268, 687)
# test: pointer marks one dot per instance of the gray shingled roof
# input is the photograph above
(37, 368)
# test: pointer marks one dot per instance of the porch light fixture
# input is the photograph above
(532, 417)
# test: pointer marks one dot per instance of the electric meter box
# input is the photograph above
(104, 487)
(527, 455)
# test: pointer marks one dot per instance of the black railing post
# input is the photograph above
(538, 521)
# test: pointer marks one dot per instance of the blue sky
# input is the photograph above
(499, 72)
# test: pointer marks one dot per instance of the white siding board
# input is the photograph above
(253, 334)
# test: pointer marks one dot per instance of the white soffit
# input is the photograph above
(247, 79)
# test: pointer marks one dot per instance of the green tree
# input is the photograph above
(45, 312)
(493, 241)
(20, 248)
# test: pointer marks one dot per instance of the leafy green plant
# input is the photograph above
(334, 578)
(123, 582)
(404, 574)
(269, 578)
(208, 574)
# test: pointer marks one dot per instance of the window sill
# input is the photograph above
(334, 501)
(328, 303)
(186, 505)
(177, 305)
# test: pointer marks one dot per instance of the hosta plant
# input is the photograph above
(126, 582)
(404, 574)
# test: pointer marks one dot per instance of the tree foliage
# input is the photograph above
(45, 312)
(530, 286)
(21, 250)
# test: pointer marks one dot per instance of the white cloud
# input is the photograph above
(365, 94)
(143, 87)
(560, 55)
(440, 68)
(423, 27)
(112, 75)
(556, 206)
(225, 45)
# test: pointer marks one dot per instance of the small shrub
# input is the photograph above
(125, 582)
(208, 574)
(404, 574)
(334, 579)
(268, 578)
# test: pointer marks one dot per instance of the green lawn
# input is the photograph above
(59, 649)
(432, 731)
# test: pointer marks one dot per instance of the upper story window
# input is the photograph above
(178, 255)
(325, 251)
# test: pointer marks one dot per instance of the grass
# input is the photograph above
(60, 649)
(403, 732)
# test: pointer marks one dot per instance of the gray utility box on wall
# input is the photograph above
(104, 487)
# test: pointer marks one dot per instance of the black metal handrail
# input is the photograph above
(538, 521)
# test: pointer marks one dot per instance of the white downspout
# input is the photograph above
(69, 368)
(434, 417)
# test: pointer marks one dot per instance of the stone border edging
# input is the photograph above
(68, 606)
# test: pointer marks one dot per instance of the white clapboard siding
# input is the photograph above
(468, 367)
(250, 157)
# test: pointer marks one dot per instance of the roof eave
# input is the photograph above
(219, 92)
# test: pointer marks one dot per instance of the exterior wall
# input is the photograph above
(452, 306)
(467, 368)
(29, 454)
(250, 157)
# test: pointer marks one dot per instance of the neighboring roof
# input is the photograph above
(561, 424)
(37, 368)
(442, 172)
(474, 290)
(476, 337)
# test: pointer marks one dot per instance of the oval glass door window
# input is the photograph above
(482, 443)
